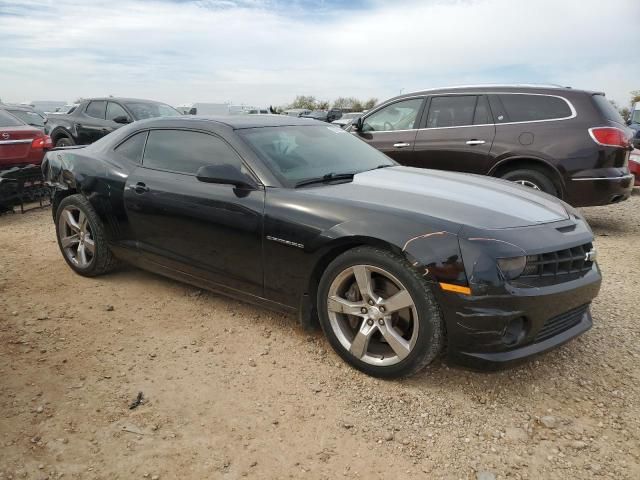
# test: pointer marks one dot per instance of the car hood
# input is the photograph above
(465, 199)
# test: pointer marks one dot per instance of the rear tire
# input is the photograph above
(532, 178)
(396, 329)
(81, 237)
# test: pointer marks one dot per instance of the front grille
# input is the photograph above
(560, 323)
(560, 262)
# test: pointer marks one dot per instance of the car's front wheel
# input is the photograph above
(81, 237)
(379, 314)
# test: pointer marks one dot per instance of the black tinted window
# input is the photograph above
(8, 120)
(114, 110)
(452, 111)
(185, 152)
(96, 109)
(608, 111)
(482, 116)
(132, 147)
(527, 108)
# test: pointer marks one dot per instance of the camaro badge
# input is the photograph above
(591, 255)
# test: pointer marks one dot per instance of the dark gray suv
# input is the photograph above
(569, 143)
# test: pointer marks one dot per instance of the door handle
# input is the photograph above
(476, 142)
(139, 188)
(401, 145)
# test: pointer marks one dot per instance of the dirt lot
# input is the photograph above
(235, 391)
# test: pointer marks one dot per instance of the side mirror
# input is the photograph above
(358, 124)
(225, 174)
(122, 119)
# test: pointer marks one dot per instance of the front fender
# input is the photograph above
(433, 251)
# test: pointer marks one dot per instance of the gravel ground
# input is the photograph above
(231, 390)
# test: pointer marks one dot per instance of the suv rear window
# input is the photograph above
(8, 120)
(607, 110)
(528, 108)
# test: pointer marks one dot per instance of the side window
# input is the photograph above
(482, 115)
(114, 111)
(96, 109)
(397, 116)
(527, 108)
(451, 111)
(165, 151)
(132, 147)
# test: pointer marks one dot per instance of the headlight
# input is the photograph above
(512, 267)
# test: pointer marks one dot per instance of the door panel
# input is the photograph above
(457, 133)
(210, 230)
(461, 149)
(392, 128)
(398, 145)
(90, 126)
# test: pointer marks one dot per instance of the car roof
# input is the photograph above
(514, 87)
(118, 99)
(236, 122)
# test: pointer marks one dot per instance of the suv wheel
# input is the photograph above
(64, 142)
(81, 237)
(533, 179)
(378, 314)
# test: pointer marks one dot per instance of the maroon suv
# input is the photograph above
(570, 143)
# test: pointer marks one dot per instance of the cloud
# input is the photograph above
(267, 51)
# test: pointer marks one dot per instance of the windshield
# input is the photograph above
(635, 116)
(30, 118)
(295, 154)
(144, 110)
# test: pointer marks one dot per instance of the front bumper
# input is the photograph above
(481, 332)
(588, 192)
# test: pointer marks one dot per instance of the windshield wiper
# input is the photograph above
(326, 178)
(384, 166)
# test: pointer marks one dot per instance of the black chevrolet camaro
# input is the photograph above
(396, 264)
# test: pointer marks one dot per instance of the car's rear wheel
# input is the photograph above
(533, 179)
(64, 142)
(81, 237)
(379, 314)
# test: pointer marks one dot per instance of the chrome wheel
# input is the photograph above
(372, 315)
(528, 183)
(76, 238)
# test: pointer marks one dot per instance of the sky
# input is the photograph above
(265, 52)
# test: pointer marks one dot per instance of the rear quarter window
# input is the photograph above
(530, 108)
(607, 110)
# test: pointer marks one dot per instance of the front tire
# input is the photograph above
(81, 237)
(379, 314)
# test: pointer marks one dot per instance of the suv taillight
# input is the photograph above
(610, 137)
(42, 143)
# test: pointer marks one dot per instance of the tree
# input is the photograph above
(342, 103)
(369, 104)
(304, 101)
(323, 105)
(635, 97)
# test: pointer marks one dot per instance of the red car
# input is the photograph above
(634, 165)
(20, 144)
